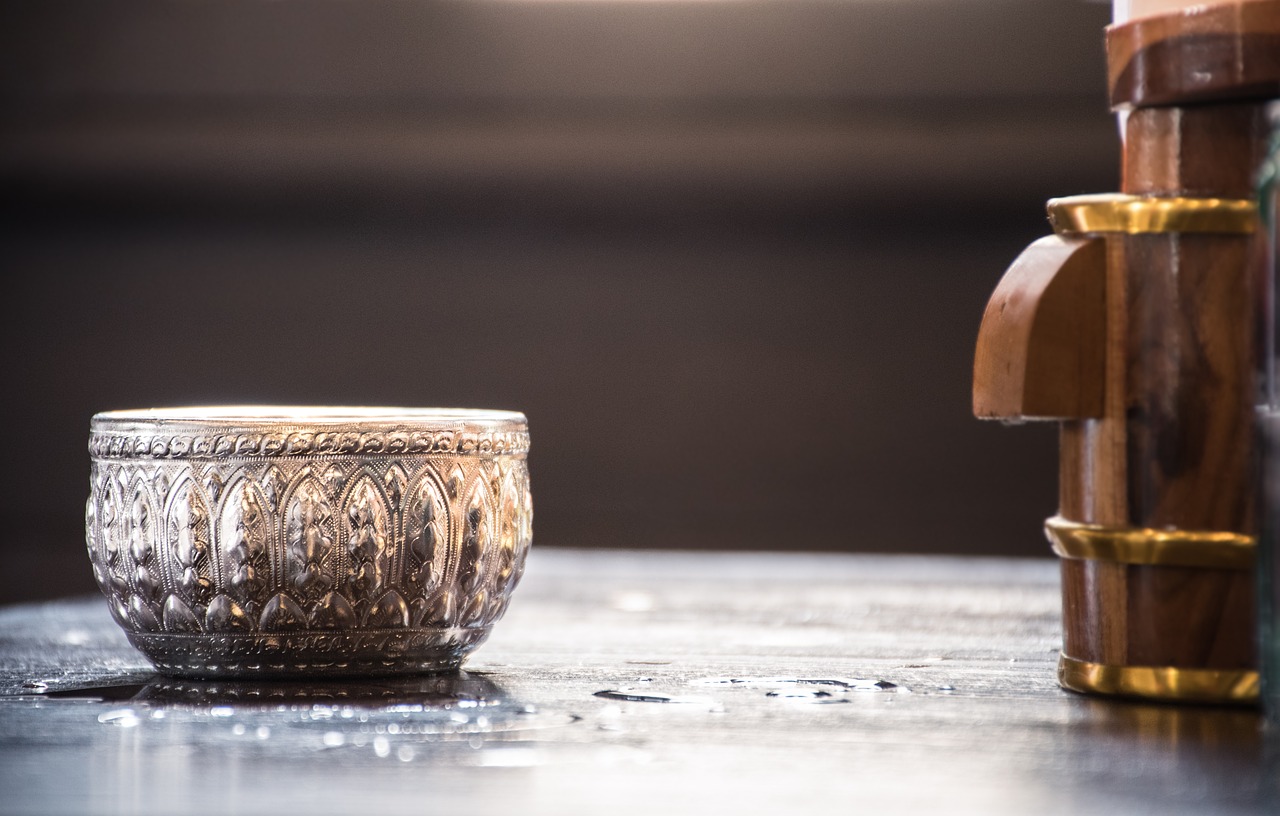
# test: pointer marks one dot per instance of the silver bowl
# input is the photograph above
(264, 541)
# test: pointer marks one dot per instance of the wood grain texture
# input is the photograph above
(974, 723)
(1174, 450)
(1092, 465)
(1190, 382)
(1175, 446)
(1092, 592)
(1191, 617)
(1040, 346)
(1189, 387)
(1211, 52)
(1210, 150)
(1188, 338)
(1135, 615)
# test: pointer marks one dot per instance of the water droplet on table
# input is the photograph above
(636, 696)
(123, 717)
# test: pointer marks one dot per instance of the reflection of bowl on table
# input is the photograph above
(269, 541)
(439, 691)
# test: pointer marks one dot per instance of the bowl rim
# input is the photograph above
(297, 417)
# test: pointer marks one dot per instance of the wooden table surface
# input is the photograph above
(642, 682)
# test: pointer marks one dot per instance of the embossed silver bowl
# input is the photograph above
(264, 541)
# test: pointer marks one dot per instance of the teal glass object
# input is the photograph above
(1268, 565)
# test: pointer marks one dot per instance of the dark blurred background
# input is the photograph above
(729, 256)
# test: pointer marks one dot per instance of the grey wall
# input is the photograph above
(729, 257)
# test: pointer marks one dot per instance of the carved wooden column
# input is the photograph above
(1135, 327)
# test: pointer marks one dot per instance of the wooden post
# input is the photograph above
(1156, 517)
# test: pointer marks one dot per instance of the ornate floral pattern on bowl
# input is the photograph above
(263, 541)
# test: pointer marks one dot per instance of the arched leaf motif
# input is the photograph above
(178, 617)
(332, 478)
(140, 533)
(93, 541)
(189, 542)
(388, 612)
(477, 529)
(143, 615)
(309, 538)
(332, 612)
(426, 530)
(161, 481)
(493, 473)
(115, 538)
(394, 481)
(455, 481)
(225, 615)
(476, 610)
(273, 486)
(243, 530)
(507, 563)
(93, 529)
(526, 526)
(368, 542)
(110, 515)
(282, 614)
(139, 521)
(213, 485)
(508, 536)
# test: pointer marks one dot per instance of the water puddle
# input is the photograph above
(635, 696)
(97, 694)
(461, 690)
(821, 691)
(122, 717)
(395, 719)
(849, 684)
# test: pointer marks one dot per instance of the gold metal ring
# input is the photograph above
(1137, 545)
(1164, 683)
(1134, 215)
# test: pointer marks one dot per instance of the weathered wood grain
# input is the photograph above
(974, 723)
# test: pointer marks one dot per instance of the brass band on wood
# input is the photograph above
(1135, 215)
(1166, 683)
(1171, 548)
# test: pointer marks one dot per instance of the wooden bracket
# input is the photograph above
(1041, 344)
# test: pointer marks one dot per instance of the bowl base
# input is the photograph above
(306, 654)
